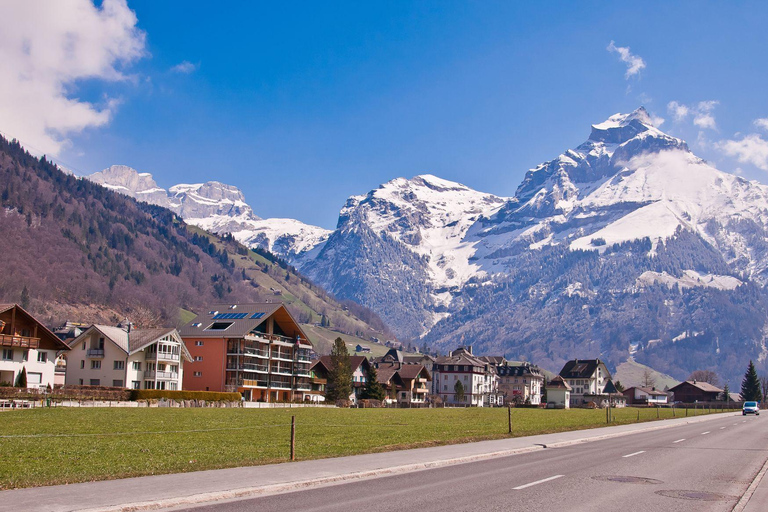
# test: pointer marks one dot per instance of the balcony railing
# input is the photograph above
(161, 356)
(285, 356)
(95, 352)
(255, 383)
(279, 384)
(151, 374)
(303, 373)
(304, 357)
(303, 387)
(281, 370)
(9, 340)
(255, 367)
(255, 352)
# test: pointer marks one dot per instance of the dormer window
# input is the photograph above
(219, 326)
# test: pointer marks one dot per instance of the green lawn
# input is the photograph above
(66, 445)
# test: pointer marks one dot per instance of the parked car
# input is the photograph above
(750, 408)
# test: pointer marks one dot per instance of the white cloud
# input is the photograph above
(750, 149)
(634, 62)
(657, 120)
(701, 113)
(46, 47)
(762, 123)
(184, 67)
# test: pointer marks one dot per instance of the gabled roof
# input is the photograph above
(133, 341)
(354, 361)
(519, 370)
(647, 391)
(242, 320)
(580, 368)
(558, 383)
(413, 371)
(704, 386)
(43, 332)
(610, 388)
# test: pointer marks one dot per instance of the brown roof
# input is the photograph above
(558, 383)
(46, 333)
(704, 386)
(413, 371)
(354, 362)
(243, 318)
(580, 368)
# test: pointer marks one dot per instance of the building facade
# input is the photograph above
(128, 358)
(477, 377)
(645, 396)
(587, 379)
(27, 345)
(359, 366)
(256, 349)
(520, 383)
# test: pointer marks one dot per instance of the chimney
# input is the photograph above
(469, 349)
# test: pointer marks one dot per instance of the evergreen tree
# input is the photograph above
(373, 389)
(458, 389)
(750, 385)
(21, 378)
(340, 376)
(619, 386)
(726, 393)
(24, 298)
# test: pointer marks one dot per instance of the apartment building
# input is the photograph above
(128, 358)
(478, 379)
(27, 344)
(520, 383)
(256, 349)
(590, 382)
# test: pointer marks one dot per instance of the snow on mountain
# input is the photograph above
(215, 207)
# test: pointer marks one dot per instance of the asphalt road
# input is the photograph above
(699, 467)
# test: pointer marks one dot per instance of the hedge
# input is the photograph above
(212, 396)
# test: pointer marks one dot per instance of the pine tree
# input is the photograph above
(340, 376)
(373, 389)
(21, 378)
(24, 298)
(750, 385)
(726, 393)
(458, 390)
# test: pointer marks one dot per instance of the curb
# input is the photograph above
(264, 490)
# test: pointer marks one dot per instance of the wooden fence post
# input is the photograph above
(293, 438)
(509, 416)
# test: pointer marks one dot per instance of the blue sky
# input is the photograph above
(304, 104)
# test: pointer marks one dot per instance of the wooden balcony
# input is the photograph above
(9, 340)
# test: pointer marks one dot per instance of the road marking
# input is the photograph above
(722, 428)
(705, 433)
(633, 454)
(537, 482)
(678, 441)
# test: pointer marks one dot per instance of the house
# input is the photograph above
(404, 378)
(645, 396)
(558, 393)
(587, 379)
(520, 383)
(124, 357)
(256, 349)
(359, 366)
(361, 349)
(692, 391)
(27, 344)
(478, 379)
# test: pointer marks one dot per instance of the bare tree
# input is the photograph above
(649, 380)
(764, 385)
(705, 376)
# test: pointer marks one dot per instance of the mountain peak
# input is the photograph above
(619, 128)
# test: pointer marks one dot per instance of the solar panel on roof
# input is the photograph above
(230, 316)
(256, 316)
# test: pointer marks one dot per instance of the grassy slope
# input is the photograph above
(323, 339)
(630, 373)
(106, 443)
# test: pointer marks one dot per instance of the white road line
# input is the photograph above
(678, 441)
(537, 482)
(722, 428)
(633, 454)
(705, 433)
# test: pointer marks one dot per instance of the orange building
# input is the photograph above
(257, 349)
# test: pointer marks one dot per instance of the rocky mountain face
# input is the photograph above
(215, 207)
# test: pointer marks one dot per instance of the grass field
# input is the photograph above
(63, 445)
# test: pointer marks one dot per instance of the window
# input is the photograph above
(173, 386)
(136, 384)
(83, 345)
(25, 355)
(198, 374)
(117, 383)
(198, 343)
(137, 367)
(80, 381)
(149, 384)
(95, 365)
(198, 358)
(95, 382)
(42, 357)
(34, 378)
(82, 364)
(8, 354)
(119, 365)
(445, 387)
(219, 326)
(174, 368)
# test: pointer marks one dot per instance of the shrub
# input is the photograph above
(343, 403)
(211, 396)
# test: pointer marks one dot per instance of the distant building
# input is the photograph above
(359, 367)
(27, 344)
(587, 379)
(645, 396)
(128, 358)
(361, 349)
(405, 378)
(477, 376)
(692, 391)
(520, 383)
(558, 393)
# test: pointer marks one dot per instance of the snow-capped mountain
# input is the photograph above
(215, 207)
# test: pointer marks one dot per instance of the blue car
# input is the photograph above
(750, 408)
